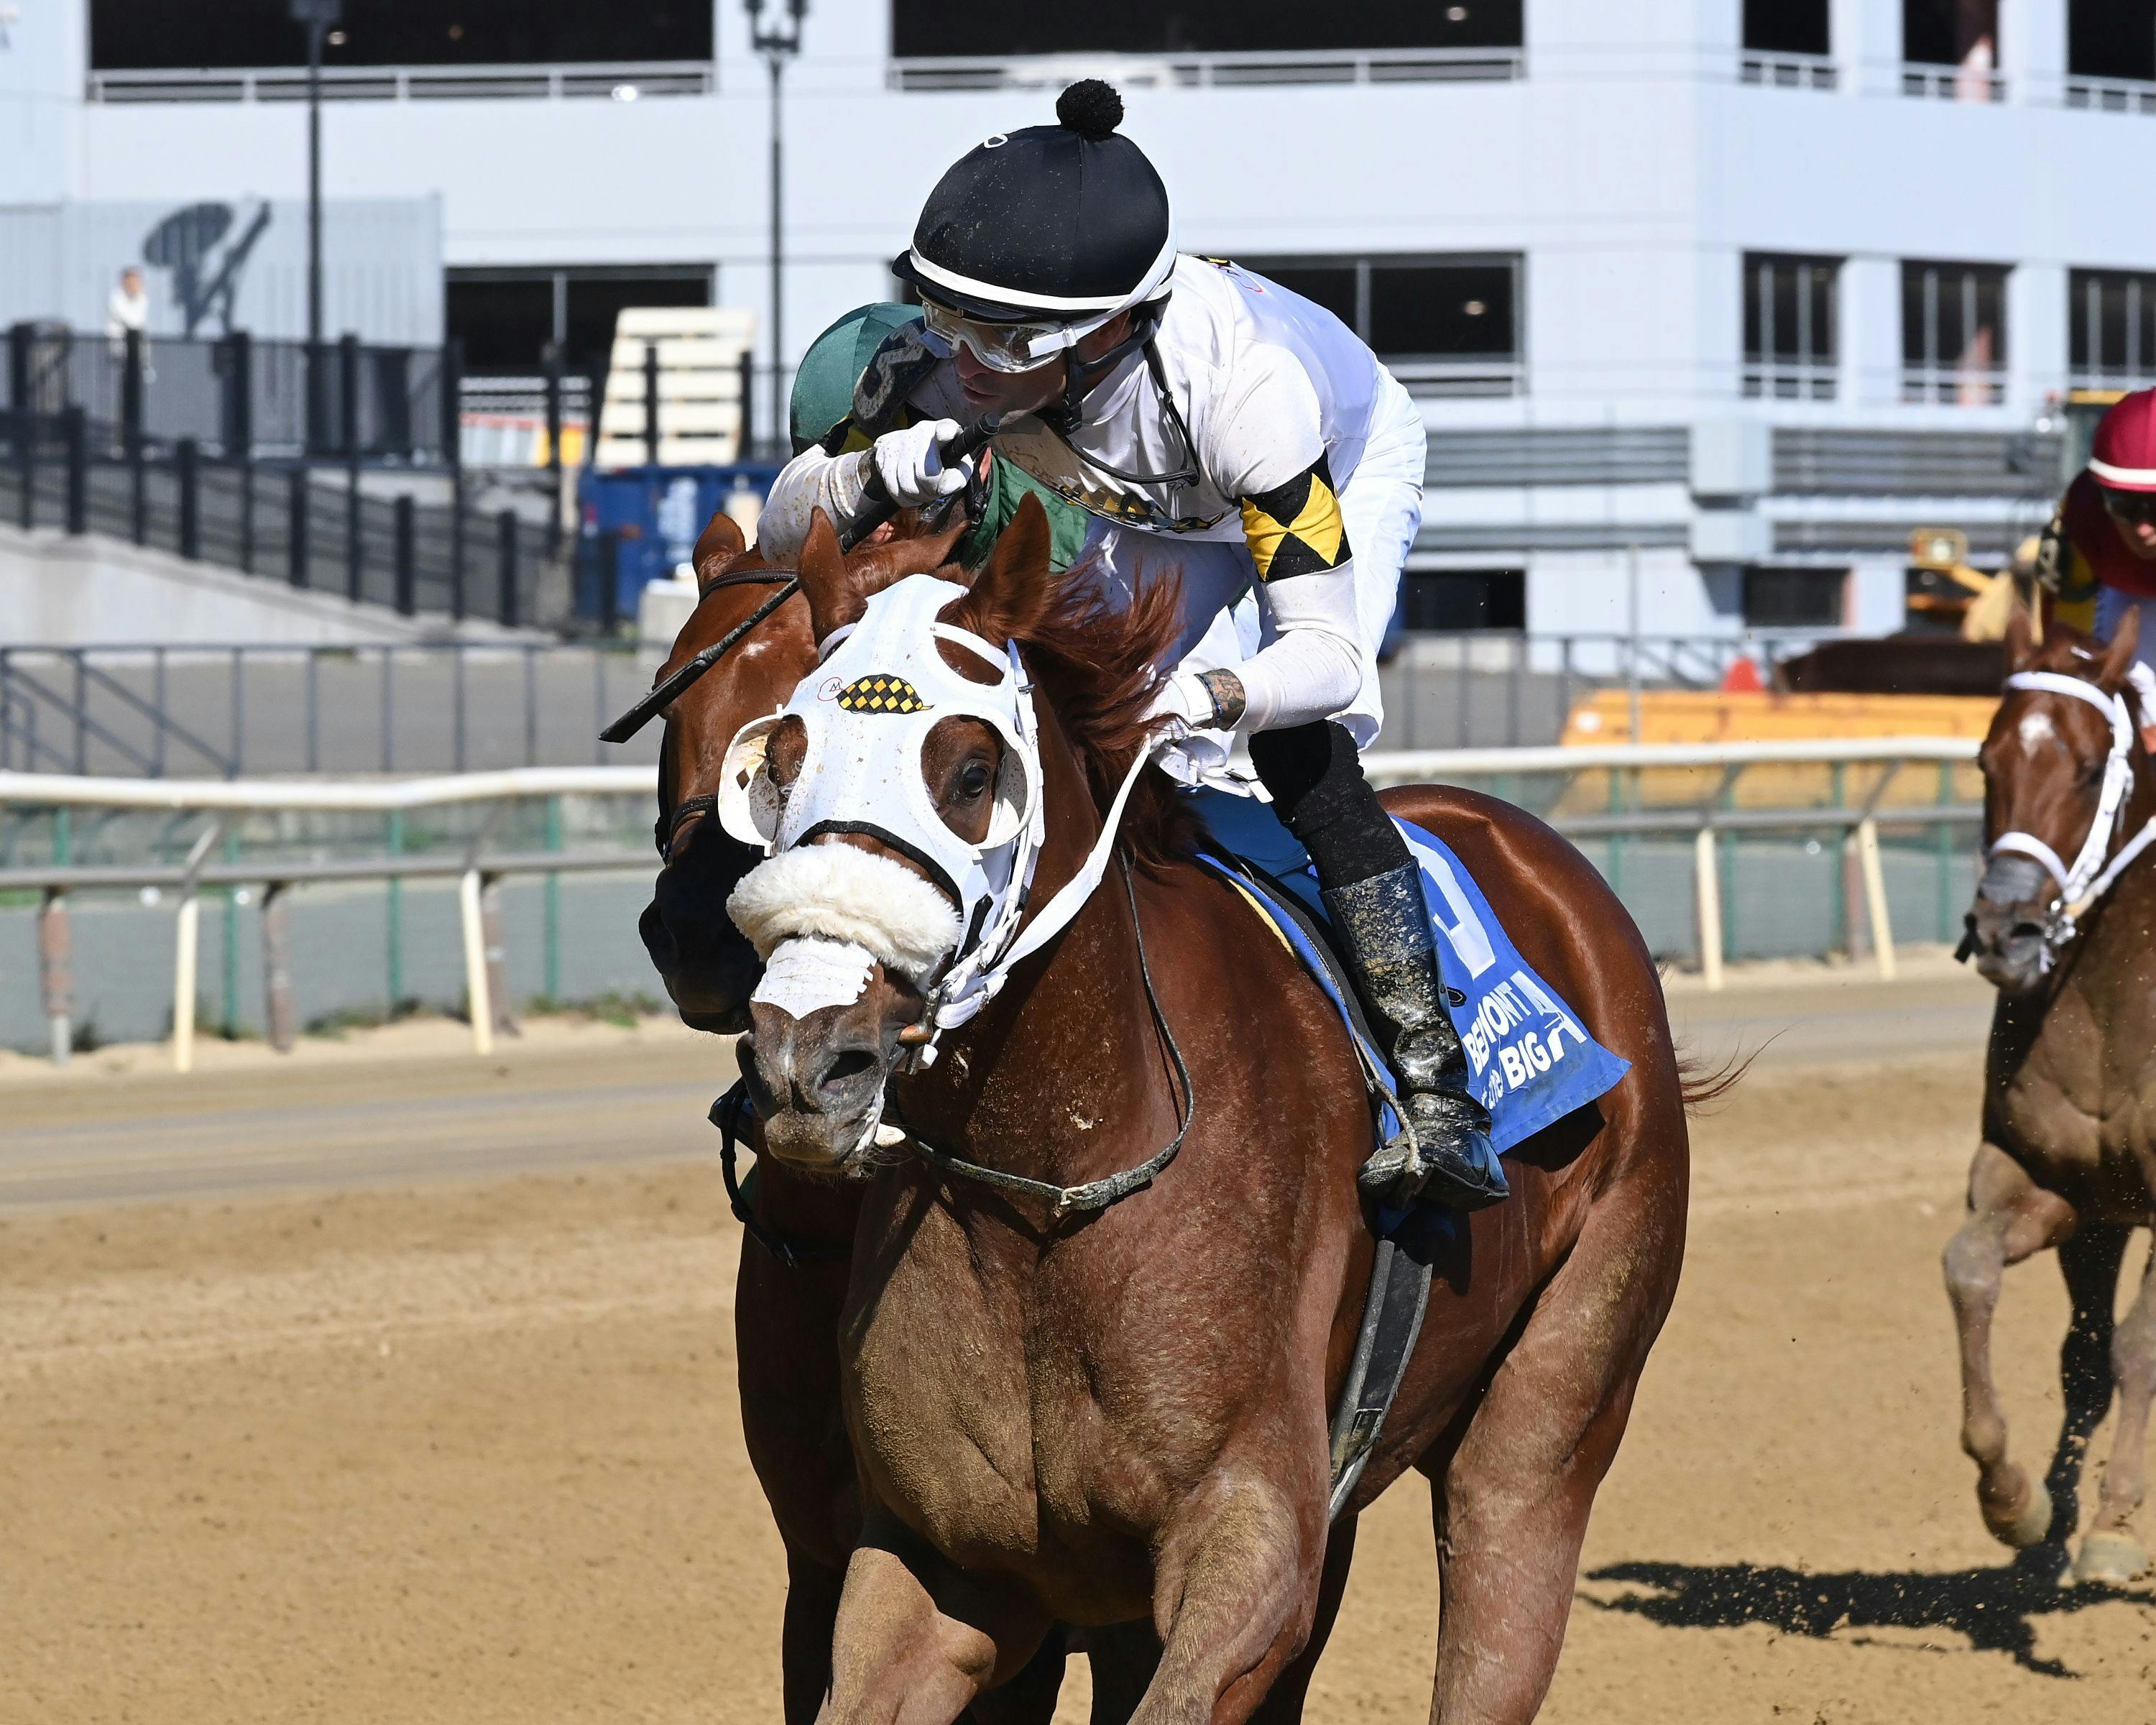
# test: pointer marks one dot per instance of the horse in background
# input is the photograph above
(1120, 1419)
(2067, 1161)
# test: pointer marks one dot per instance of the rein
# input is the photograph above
(2095, 868)
(1090, 1194)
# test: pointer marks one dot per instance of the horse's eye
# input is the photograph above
(973, 780)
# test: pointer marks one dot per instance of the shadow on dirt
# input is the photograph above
(1995, 1608)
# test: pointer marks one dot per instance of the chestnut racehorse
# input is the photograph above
(1119, 1419)
(2061, 926)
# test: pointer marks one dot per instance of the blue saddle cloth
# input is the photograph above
(1530, 1060)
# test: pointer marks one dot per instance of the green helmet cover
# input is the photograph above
(823, 385)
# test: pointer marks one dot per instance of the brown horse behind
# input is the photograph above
(1120, 1421)
(2068, 1156)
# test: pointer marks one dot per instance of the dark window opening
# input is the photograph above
(1786, 26)
(1435, 309)
(2110, 38)
(1794, 598)
(1790, 325)
(506, 318)
(156, 35)
(1953, 332)
(2111, 323)
(985, 28)
(1450, 600)
(1951, 33)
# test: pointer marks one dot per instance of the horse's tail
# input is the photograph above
(1700, 1084)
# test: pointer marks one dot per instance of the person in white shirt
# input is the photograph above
(1218, 426)
(129, 307)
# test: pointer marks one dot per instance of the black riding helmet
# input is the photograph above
(1066, 222)
(1065, 225)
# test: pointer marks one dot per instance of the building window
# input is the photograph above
(2113, 39)
(991, 29)
(1794, 598)
(1953, 334)
(2111, 329)
(1786, 43)
(1950, 50)
(506, 317)
(1786, 26)
(1790, 323)
(1443, 325)
(127, 35)
(1450, 600)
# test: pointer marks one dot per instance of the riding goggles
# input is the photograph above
(1007, 347)
(2134, 507)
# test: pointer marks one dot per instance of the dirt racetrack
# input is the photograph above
(467, 1452)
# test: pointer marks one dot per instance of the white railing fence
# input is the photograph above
(217, 805)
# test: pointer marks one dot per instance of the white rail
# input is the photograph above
(225, 802)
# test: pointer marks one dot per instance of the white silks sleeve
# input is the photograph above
(1314, 667)
(812, 480)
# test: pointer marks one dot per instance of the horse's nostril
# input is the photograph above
(850, 1065)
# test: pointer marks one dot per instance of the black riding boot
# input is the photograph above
(1373, 889)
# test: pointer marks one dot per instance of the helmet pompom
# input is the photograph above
(1091, 108)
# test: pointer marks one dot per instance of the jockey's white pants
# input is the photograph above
(1224, 623)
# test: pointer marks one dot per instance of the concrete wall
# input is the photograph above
(91, 591)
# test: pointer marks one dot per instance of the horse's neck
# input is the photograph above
(1060, 1078)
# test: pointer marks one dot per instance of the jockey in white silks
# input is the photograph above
(1218, 428)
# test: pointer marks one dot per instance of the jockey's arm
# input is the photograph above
(1269, 454)
(812, 480)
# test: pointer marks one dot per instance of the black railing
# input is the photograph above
(69, 472)
(242, 398)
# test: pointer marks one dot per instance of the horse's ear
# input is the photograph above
(2118, 657)
(832, 601)
(718, 545)
(2020, 640)
(1012, 595)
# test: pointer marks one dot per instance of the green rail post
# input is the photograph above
(553, 905)
(1837, 898)
(1616, 869)
(393, 916)
(1944, 848)
(232, 946)
(63, 838)
(1725, 850)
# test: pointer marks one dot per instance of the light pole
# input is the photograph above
(778, 42)
(320, 17)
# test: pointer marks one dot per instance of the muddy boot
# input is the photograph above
(1445, 1153)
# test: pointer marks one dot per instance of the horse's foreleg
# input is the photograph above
(812, 1605)
(917, 1639)
(2112, 1552)
(1512, 1499)
(2089, 1260)
(2010, 1218)
(1235, 1589)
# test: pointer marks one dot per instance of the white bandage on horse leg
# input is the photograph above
(844, 893)
(807, 974)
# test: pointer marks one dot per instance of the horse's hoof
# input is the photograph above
(2027, 1528)
(2109, 1559)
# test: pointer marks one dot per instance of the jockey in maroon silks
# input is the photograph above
(2098, 555)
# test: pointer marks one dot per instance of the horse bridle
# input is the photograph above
(2095, 868)
(669, 689)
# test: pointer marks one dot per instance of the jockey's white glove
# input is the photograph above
(911, 462)
(1181, 705)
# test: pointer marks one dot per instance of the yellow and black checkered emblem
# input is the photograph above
(880, 694)
(1296, 529)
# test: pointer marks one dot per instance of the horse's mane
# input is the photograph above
(1099, 667)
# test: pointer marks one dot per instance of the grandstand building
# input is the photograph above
(1709, 303)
